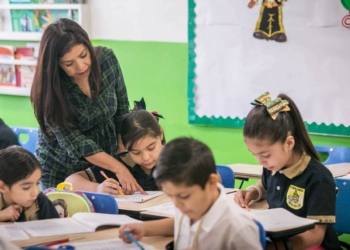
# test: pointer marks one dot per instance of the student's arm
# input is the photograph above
(81, 181)
(164, 227)
(308, 239)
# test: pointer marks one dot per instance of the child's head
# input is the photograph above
(186, 171)
(61, 207)
(143, 137)
(20, 173)
(276, 141)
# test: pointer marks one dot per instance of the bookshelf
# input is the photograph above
(6, 33)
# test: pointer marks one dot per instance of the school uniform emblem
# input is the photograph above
(295, 197)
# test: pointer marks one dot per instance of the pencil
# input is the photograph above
(119, 191)
(246, 207)
(56, 242)
(133, 240)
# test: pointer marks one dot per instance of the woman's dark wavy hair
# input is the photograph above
(49, 91)
(138, 124)
(260, 125)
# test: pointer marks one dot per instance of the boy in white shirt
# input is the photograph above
(205, 218)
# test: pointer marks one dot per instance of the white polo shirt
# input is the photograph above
(225, 226)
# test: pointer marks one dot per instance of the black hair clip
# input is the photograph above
(142, 105)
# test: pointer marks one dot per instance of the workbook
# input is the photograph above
(78, 223)
(111, 244)
(138, 197)
(279, 220)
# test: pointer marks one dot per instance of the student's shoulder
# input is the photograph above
(317, 169)
(46, 208)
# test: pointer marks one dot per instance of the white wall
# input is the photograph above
(139, 20)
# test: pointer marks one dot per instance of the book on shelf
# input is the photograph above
(7, 71)
(37, 20)
(24, 73)
(45, 1)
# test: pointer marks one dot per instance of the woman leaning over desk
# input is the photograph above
(79, 99)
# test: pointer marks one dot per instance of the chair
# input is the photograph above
(262, 234)
(103, 203)
(227, 175)
(32, 134)
(336, 154)
(342, 206)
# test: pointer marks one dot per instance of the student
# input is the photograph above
(20, 199)
(204, 217)
(143, 138)
(79, 99)
(293, 177)
(7, 136)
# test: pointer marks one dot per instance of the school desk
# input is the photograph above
(246, 171)
(134, 209)
(101, 234)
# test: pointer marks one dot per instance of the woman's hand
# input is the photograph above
(109, 186)
(128, 182)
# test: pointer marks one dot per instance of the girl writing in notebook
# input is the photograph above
(143, 138)
(20, 199)
(293, 176)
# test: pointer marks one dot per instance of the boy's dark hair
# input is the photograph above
(16, 163)
(138, 124)
(49, 90)
(63, 204)
(260, 125)
(185, 161)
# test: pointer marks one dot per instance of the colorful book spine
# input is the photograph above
(7, 71)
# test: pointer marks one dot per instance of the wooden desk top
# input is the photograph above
(137, 207)
(255, 171)
(103, 234)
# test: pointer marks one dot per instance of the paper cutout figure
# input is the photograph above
(346, 19)
(61, 207)
(269, 25)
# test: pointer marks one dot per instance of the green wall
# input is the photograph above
(158, 72)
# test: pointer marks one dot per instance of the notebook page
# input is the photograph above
(138, 197)
(53, 227)
(11, 233)
(111, 244)
(166, 208)
(278, 219)
(95, 220)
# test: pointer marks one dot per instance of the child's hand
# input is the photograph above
(109, 186)
(244, 196)
(137, 230)
(251, 4)
(11, 213)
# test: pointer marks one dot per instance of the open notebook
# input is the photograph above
(137, 197)
(280, 219)
(79, 223)
(111, 244)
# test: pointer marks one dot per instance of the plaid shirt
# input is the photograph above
(99, 118)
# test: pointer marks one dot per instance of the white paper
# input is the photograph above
(51, 227)
(112, 244)
(277, 219)
(166, 208)
(11, 233)
(137, 197)
(95, 220)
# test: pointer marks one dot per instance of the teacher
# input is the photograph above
(79, 99)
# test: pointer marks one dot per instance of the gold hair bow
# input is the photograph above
(274, 107)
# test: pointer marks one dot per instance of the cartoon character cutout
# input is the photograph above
(269, 25)
(61, 207)
(346, 19)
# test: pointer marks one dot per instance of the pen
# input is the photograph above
(119, 191)
(56, 242)
(133, 240)
(246, 207)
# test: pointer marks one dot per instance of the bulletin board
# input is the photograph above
(300, 48)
